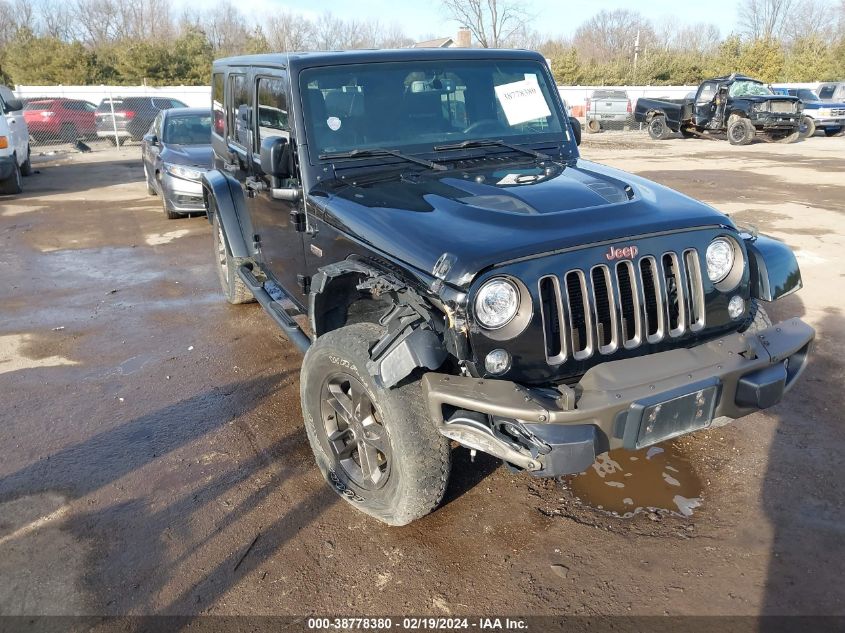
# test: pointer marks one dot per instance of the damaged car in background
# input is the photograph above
(421, 224)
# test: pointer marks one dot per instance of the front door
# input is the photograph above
(705, 103)
(279, 237)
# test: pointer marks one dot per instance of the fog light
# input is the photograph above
(497, 362)
(736, 307)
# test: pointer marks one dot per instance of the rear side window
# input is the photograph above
(162, 104)
(106, 104)
(708, 91)
(239, 115)
(217, 111)
(272, 109)
(38, 105)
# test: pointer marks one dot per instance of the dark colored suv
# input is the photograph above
(123, 118)
(421, 224)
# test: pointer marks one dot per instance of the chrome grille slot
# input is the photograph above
(580, 318)
(621, 306)
(695, 290)
(629, 305)
(653, 298)
(674, 298)
(551, 308)
(604, 309)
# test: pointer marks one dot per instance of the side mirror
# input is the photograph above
(12, 105)
(276, 157)
(152, 139)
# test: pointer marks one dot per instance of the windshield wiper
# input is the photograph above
(380, 151)
(489, 142)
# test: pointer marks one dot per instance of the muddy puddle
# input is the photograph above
(623, 483)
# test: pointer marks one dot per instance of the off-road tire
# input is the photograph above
(26, 168)
(757, 319)
(593, 126)
(834, 131)
(234, 289)
(809, 126)
(12, 184)
(418, 462)
(740, 131)
(657, 128)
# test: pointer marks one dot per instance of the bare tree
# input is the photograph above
(493, 23)
(811, 18)
(611, 35)
(764, 19)
(288, 31)
(55, 19)
(671, 34)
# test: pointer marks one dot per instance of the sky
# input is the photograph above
(426, 17)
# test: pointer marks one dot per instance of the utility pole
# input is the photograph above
(636, 55)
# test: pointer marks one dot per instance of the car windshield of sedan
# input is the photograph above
(427, 103)
(187, 129)
(749, 89)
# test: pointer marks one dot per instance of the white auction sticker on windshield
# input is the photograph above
(334, 123)
(522, 101)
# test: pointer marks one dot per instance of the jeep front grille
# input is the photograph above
(625, 304)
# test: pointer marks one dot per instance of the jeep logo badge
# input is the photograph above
(628, 252)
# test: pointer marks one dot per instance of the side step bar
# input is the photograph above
(285, 321)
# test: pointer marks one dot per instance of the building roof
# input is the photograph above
(440, 42)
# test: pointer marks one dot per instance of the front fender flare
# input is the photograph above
(773, 267)
(228, 196)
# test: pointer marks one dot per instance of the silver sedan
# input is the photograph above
(176, 152)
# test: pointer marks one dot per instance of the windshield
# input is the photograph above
(38, 105)
(807, 95)
(749, 89)
(400, 105)
(188, 129)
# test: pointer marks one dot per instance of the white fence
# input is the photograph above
(193, 96)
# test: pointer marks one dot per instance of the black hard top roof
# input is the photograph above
(297, 61)
(735, 77)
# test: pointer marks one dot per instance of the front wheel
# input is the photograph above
(807, 127)
(377, 448)
(740, 131)
(834, 131)
(13, 183)
(234, 289)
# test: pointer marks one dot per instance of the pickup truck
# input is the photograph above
(422, 226)
(607, 106)
(828, 116)
(738, 106)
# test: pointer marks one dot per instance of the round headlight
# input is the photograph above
(720, 259)
(497, 303)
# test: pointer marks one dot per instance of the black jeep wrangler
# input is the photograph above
(420, 224)
(737, 106)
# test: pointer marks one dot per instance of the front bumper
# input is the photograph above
(551, 435)
(184, 196)
(776, 121)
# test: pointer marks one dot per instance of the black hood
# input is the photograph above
(491, 215)
(189, 155)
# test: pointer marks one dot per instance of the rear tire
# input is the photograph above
(834, 131)
(12, 184)
(807, 127)
(593, 126)
(234, 289)
(576, 129)
(657, 128)
(740, 131)
(377, 448)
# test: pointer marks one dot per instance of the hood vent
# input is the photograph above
(610, 192)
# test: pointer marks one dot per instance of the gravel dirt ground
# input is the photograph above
(153, 458)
